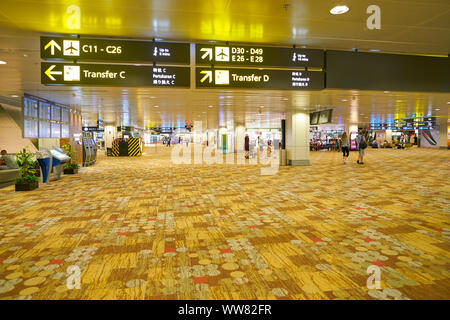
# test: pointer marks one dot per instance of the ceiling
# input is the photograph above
(417, 26)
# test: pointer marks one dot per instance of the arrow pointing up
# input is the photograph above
(52, 44)
(208, 52)
(208, 74)
(49, 72)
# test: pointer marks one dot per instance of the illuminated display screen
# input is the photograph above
(114, 75)
(325, 116)
(259, 79)
(114, 50)
(258, 56)
(314, 118)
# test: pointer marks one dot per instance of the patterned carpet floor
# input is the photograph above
(144, 228)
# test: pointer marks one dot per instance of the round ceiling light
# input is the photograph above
(2, 62)
(339, 10)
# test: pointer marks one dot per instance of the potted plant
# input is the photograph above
(72, 166)
(37, 167)
(27, 179)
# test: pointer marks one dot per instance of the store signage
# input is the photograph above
(259, 79)
(91, 49)
(114, 75)
(258, 56)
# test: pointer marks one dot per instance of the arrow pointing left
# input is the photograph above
(50, 73)
(52, 44)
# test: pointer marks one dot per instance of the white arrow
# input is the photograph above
(52, 44)
(208, 74)
(49, 72)
(208, 52)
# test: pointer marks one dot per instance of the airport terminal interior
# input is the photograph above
(225, 150)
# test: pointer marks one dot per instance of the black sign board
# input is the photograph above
(259, 79)
(258, 56)
(92, 49)
(415, 123)
(114, 75)
(93, 129)
(381, 71)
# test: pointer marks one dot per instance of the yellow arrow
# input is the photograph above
(208, 52)
(49, 72)
(52, 44)
(208, 74)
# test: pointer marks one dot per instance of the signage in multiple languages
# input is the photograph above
(259, 79)
(114, 75)
(91, 49)
(258, 56)
(415, 123)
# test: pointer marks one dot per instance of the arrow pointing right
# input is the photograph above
(49, 72)
(208, 74)
(208, 52)
(52, 44)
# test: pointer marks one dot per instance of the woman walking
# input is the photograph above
(344, 146)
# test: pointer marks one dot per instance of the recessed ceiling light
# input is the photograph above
(437, 109)
(339, 9)
(25, 55)
(344, 100)
(210, 107)
(261, 106)
(2, 62)
(14, 96)
(386, 91)
(375, 50)
(155, 106)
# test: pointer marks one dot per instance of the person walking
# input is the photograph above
(361, 145)
(344, 145)
(247, 146)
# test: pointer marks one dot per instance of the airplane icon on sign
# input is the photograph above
(71, 47)
(222, 54)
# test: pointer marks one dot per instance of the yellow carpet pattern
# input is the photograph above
(144, 228)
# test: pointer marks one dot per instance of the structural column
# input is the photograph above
(443, 133)
(240, 139)
(297, 138)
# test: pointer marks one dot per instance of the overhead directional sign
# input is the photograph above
(259, 79)
(258, 56)
(114, 75)
(91, 49)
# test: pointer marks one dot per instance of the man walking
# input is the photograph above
(361, 145)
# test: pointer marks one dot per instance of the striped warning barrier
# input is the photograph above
(134, 147)
(115, 148)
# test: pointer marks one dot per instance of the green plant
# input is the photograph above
(73, 165)
(70, 152)
(26, 165)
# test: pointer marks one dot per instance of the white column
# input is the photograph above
(297, 138)
(389, 136)
(240, 139)
(109, 135)
(443, 133)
